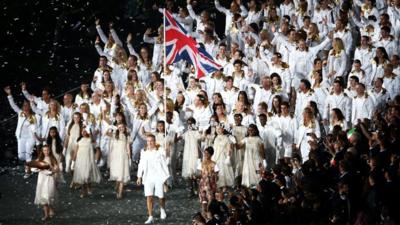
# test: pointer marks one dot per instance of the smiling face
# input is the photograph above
(45, 95)
(151, 142)
(143, 110)
(53, 106)
(207, 155)
(26, 107)
(77, 117)
(46, 151)
(220, 110)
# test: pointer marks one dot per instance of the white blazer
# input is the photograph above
(159, 159)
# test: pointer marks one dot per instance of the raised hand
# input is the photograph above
(23, 86)
(7, 90)
(97, 22)
(330, 35)
(148, 31)
(129, 38)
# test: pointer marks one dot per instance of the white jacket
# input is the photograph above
(158, 160)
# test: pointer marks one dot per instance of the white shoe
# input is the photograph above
(27, 175)
(163, 215)
(101, 163)
(150, 220)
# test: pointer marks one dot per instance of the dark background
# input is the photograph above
(51, 44)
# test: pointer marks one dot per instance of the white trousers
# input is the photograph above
(25, 148)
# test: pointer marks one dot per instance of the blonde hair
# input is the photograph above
(337, 45)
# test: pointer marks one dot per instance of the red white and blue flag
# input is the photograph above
(179, 45)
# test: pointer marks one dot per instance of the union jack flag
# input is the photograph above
(179, 45)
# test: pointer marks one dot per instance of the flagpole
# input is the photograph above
(165, 87)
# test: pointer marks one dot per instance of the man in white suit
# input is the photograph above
(152, 173)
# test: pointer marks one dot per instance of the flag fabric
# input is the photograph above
(179, 45)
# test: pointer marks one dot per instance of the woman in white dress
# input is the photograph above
(85, 170)
(152, 173)
(46, 185)
(74, 130)
(119, 158)
(191, 154)
(222, 156)
(56, 146)
(307, 128)
(254, 157)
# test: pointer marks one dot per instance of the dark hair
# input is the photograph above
(355, 78)
(246, 99)
(123, 118)
(317, 60)
(339, 114)
(177, 105)
(253, 126)
(72, 123)
(125, 133)
(384, 52)
(386, 29)
(277, 75)
(192, 120)
(238, 61)
(306, 83)
(49, 141)
(53, 160)
(210, 150)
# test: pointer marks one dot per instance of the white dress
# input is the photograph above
(46, 187)
(74, 134)
(118, 159)
(239, 132)
(252, 160)
(225, 175)
(190, 153)
(86, 170)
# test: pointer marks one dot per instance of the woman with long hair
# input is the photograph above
(119, 158)
(208, 177)
(308, 129)
(378, 63)
(46, 191)
(191, 154)
(52, 118)
(86, 171)
(337, 119)
(254, 157)
(222, 157)
(74, 130)
(84, 95)
(56, 145)
(140, 126)
(337, 60)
